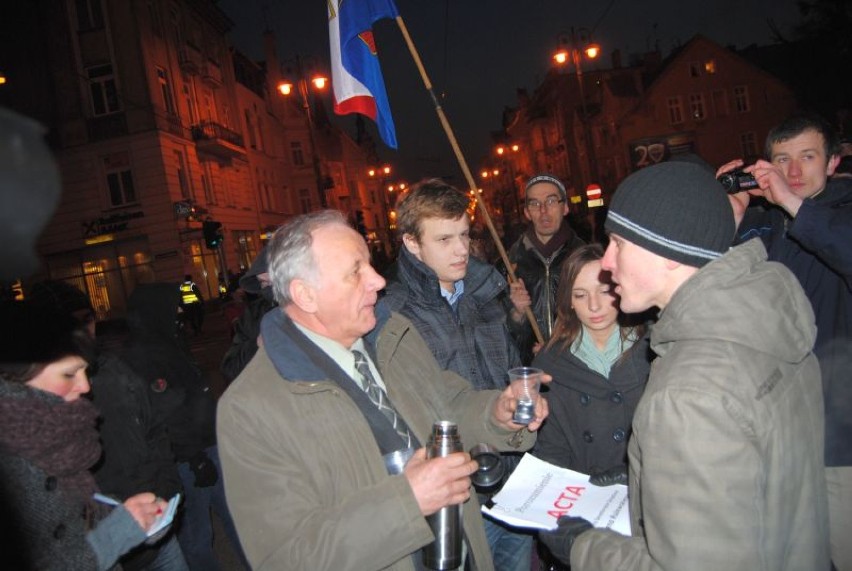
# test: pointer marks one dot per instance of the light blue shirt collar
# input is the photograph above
(343, 356)
(452, 298)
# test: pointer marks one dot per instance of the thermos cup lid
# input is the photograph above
(489, 475)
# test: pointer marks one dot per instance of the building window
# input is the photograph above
(90, 16)
(119, 179)
(265, 199)
(696, 106)
(694, 69)
(107, 273)
(741, 99)
(103, 90)
(183, 176)
(207, 183)
(720, 102)
(305, 200)
(710, 66)
(226, 115)
(675, 110)
(246, 247)
(166, 90)
(189, 100)
(748, 145)
(298, 153)
(261, 143)
(250, 130)
(210, 106)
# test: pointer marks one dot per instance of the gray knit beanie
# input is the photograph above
(676, 210)
(549, 178)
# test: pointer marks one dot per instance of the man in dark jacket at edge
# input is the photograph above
(458, 304)
(156, 348)
(537, 258)
(256, 284)
(805, 223)
(338, 387)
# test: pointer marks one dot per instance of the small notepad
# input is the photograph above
(163, 520)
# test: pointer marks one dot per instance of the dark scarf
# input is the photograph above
(56, 436)
(556, 241)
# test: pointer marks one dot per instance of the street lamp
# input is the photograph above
(508, 153)
(319, 82)
(572, 47)
(381, 174)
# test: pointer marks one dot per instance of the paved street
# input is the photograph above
(208, 349)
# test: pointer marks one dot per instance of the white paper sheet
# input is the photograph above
(538, 493)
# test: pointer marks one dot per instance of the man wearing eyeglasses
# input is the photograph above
(537, 257)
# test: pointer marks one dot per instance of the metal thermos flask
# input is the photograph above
(446, 551)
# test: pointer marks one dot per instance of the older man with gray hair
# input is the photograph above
(304, 441)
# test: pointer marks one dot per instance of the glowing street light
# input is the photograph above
(319, 83)
(573, 47)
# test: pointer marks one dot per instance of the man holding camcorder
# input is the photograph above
(807, 226)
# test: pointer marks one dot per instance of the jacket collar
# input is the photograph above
(287, 346)
(481, 282)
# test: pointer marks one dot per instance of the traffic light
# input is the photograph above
(212, 233)
(359, 223)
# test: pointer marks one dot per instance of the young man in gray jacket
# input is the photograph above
(726, 457)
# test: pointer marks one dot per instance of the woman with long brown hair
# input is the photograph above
(599, 369)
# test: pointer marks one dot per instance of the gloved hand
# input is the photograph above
(610, 476)
(561, 540)
(204, 470)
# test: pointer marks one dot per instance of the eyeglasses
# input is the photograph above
(549, 202)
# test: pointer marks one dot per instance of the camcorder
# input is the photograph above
(737, 181)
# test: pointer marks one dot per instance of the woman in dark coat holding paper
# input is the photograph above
(599, 371)
(48, 442)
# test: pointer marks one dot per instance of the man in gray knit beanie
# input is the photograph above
(726, 456)
(674, 211)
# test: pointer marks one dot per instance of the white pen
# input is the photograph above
(106, 500)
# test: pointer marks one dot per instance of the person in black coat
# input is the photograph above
(258, 288)
(182, 399)
(599, 371)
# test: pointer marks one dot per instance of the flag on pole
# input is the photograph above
(356, 75)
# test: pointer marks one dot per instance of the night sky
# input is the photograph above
(477, 53)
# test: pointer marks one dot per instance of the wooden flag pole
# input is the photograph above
(467, 174)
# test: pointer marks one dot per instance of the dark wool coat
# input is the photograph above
(155, 350)
(590, 415)
(41, 526)
(137, 454)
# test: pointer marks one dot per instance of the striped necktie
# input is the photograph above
(380, 398)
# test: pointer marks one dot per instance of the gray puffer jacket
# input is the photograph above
(472, 341)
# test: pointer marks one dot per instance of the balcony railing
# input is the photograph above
(215, 139)
(211, 74)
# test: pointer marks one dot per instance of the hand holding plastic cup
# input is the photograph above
(525, 383)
